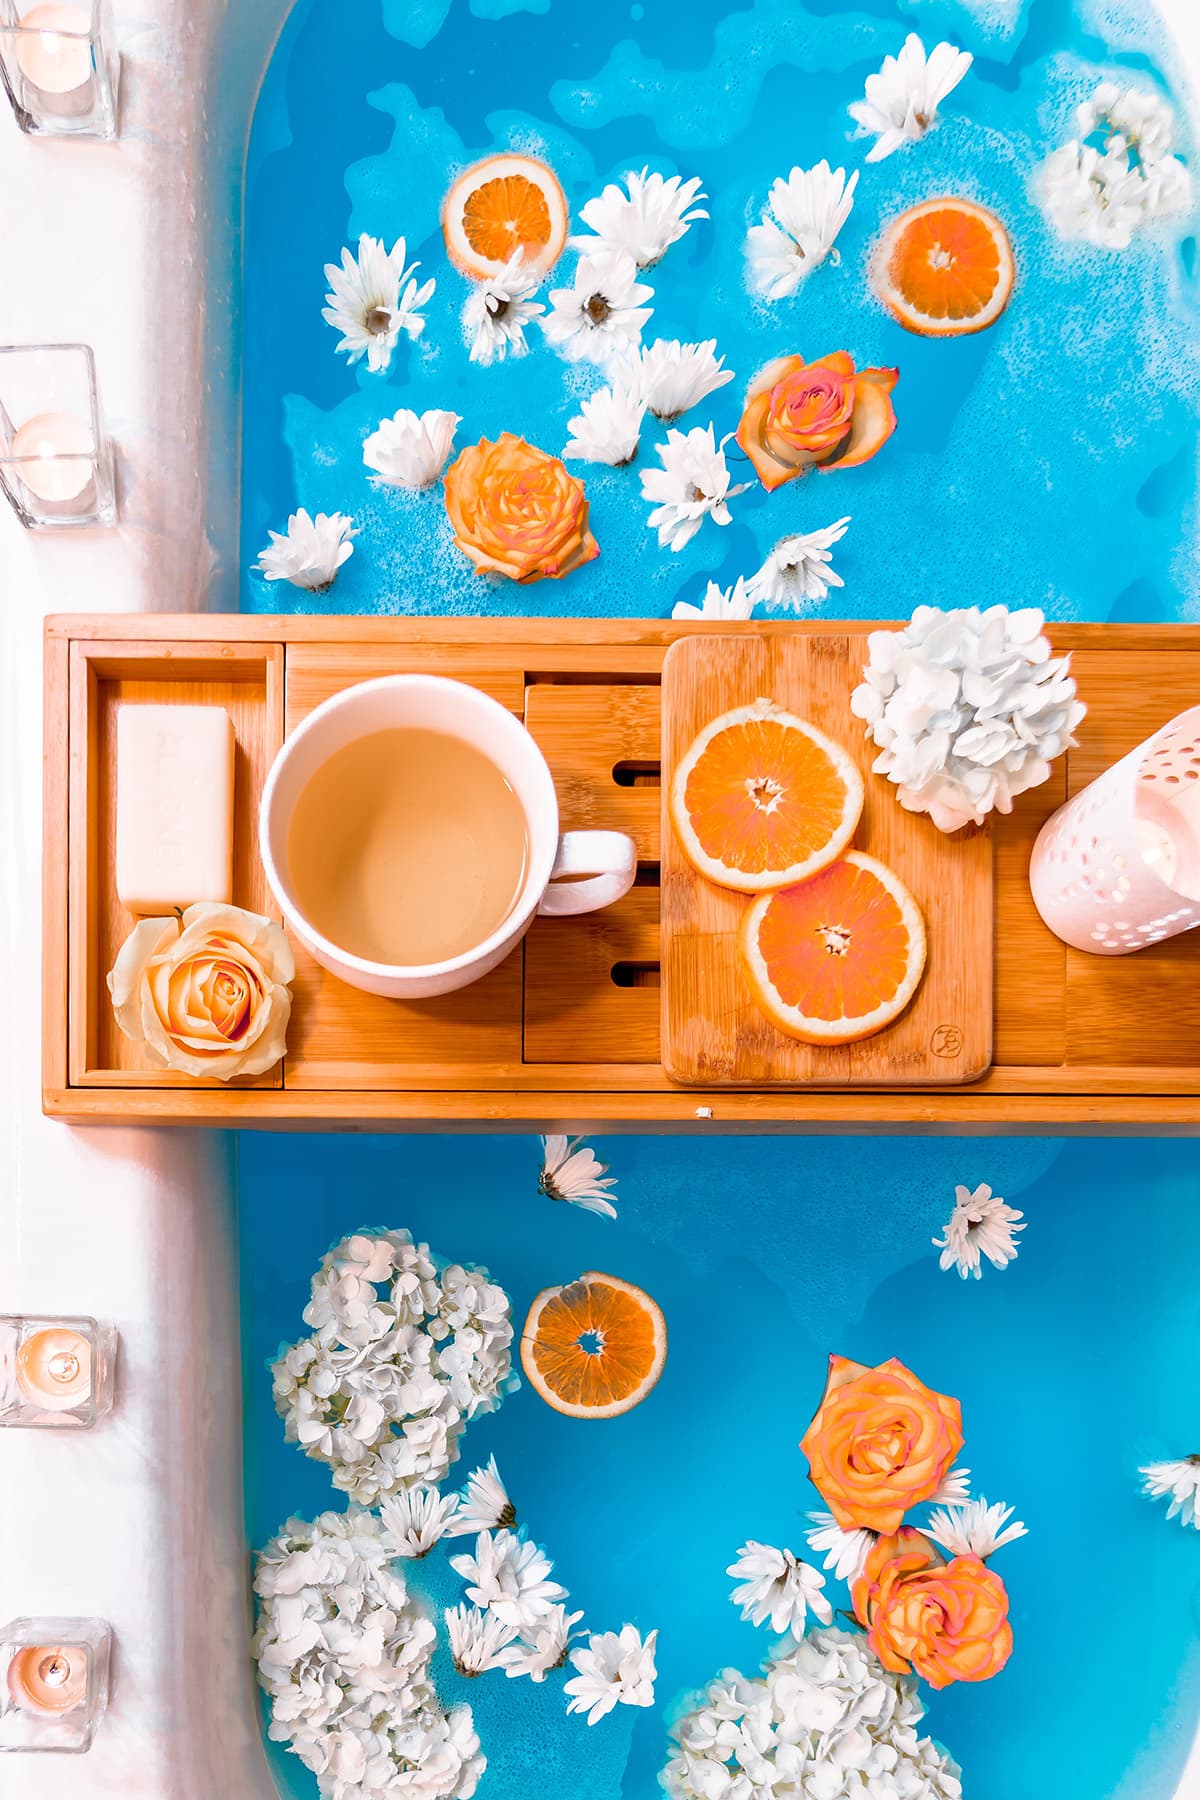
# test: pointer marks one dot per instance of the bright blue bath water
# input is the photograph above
(1048, 461)
(1074, 1366)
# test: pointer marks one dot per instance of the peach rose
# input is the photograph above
(824, 412)
(207, 994)
(518, 512)
(880, 1442)
(944, 1621)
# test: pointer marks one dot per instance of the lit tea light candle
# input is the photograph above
(54, 1369)
(46, 1678)
(54, 51)
(53, 455)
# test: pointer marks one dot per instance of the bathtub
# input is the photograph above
(134, 246)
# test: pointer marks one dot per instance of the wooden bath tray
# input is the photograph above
(567, 1031)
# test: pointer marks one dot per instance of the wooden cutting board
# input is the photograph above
(712, 1033)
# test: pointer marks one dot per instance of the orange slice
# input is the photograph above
(763, 799)
(838, 957)
(502, 205)
(595, 1348)
(944, 268)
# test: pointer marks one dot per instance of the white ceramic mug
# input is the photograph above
(432, 703)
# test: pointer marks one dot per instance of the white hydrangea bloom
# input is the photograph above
(775, 1585)
(693, 484)
(608, 425)
(672, 377)
(1180, 1483)
(310, 552)
(1119, 174)
(497, 311)
(902, 98)
(643, 218)
(982, 1224)
(975, 1529)
(799, 571)
(614, 1668)
(374, 297)
(510, 1577)
(736, 602)
(799, 229)
(410, 449)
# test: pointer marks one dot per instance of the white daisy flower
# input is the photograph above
(644, 218)
(310, 552)
(571, 1171)
(980, 1225)
(607, 426)
(416, 1518)
(509, 1575)
(692, 485)
(478, 1639)
(736, 602)
(542, 1646)
(483, 1505)
(954, 1489)
(1180, 1481)
(799, 568)
(903, 97)
(845, 1551)
(410, 449)
(497, 311)
(799, 228)
(776, 1585)
(602, 314)
(975, 1529)
(674, 377)
(373, 298)
(614, 1668)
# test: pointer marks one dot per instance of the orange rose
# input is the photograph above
(881, 1441)
(518, 512)
(945, 1621)
(824, 412)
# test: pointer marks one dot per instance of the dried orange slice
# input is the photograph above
(595, 1348)
(763, 799)
(838, 957)
(944, 268)
(502, 205)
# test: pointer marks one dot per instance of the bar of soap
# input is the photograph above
(174, 806)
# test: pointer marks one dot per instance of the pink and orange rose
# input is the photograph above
(518, 512)
(944, 1621)
(825, 413)
(881, 1442)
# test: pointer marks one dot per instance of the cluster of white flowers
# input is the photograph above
(1119, 174)
(969, 708)
(401, 1356)
(344, 1654)
(799, 228)
(666, 378)
(824, 1719)
(982, 1224)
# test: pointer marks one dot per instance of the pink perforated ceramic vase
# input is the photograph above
(1118, 867)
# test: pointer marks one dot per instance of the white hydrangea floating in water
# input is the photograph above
(1180, 1483)
(602, 313)
(982, 1224)
(673, 377)
(372, 298)
(608, 425)
(410, 449)
(735, 602)
(614, 1668)
(1118, 175)
(310, 552)
(975, 1528)
(902, 98)
(800, 568)
(799, 229)
(692, 485)
(497, 311)
(969, 708)
(643, 218)
(775, 1585)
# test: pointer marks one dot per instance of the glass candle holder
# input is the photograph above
(56, 465)
(55, 1373)
(53, 1682)
(58, 67)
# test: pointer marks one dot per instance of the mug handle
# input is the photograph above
(609, 858)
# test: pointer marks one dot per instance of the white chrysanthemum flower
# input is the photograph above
(736, 602)
(571, 1171)
(607, 426)
(483, 1505)
(975, 1529)
(776, 1585)
(1180, 1481)
(692, 485)
(642, 219)
(845, 1552)
(410, 449)
(542, 1646)
(310, 552)
(510, 1576)
(1104, 193)
(373, 298)
(614, 1668)
(497, 311)
(902, 99)
(601, 315)
(982, 1224)
(968, 708)
(799, 568)
(477, 1639)
(416, 1519)
(673, 377)
(799, 229)
(954, 1489)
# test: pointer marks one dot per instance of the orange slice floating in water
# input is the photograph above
(838, 957)
(944, 268)
(502, 205)
(763, 799)
(595, 1348)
